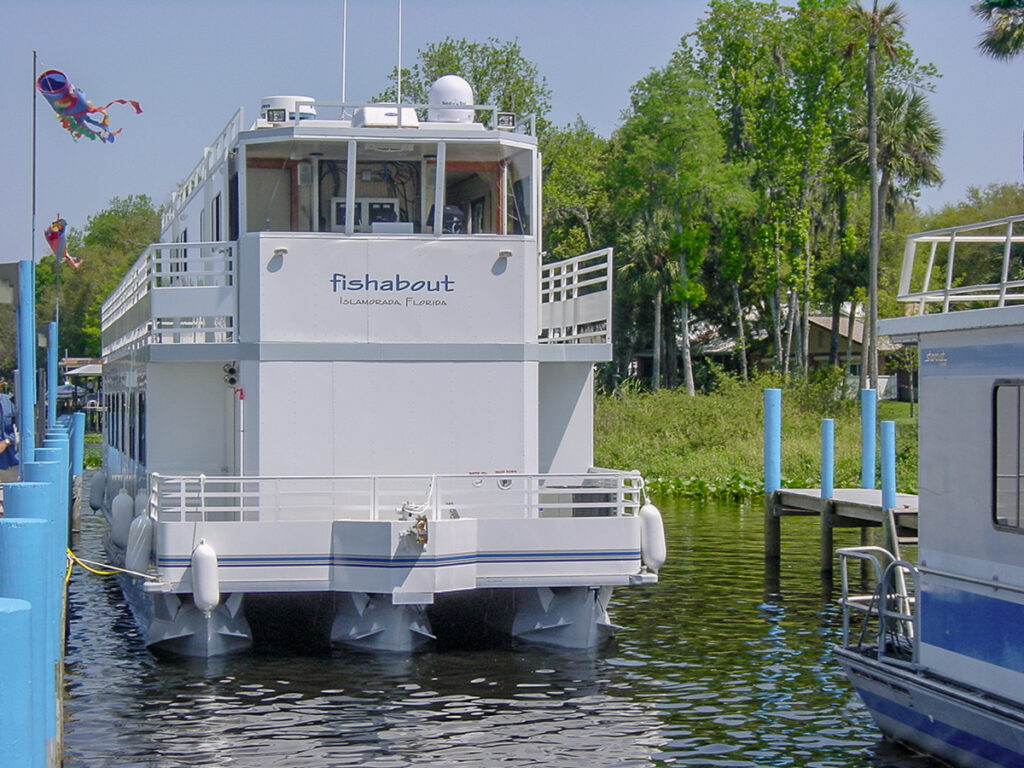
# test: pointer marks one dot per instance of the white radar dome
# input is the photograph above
(450, 91)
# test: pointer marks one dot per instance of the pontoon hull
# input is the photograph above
(936, 716)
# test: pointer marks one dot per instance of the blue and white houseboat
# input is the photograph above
(348, 383)
(937, 651)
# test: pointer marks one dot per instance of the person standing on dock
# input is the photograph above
(8, 441)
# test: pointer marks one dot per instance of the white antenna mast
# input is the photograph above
(399, 61)
(344, 50)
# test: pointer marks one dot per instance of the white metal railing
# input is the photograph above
(213, 156)
(976, 263)
(599, 493)
(896, 636)
(576, 299)
(175, 293)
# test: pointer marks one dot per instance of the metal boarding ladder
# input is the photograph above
(892, 604)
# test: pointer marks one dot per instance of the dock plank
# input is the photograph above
(847, 508)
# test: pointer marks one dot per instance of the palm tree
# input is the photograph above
(909, 142)
(880, 26)
(1004, 37)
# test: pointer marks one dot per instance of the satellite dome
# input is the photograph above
(450, 91)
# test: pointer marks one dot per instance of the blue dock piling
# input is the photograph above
(772, 474)
(864, 508)
(78, 444)
(26, 359)
(868, 414)
(23, 549)
(828, 431)
(772, 440)
(888, 465)
(16, 744)
(51, 374)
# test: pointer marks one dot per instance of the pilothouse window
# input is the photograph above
(395, 187)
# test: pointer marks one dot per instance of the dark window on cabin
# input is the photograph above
(233, 207)
(1008, 454)
(215, 219)
(132, 418)
(142, 428)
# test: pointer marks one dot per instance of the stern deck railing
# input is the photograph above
(891, 605)
(193, 498)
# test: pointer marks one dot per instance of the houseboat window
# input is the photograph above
(215, 231)
(274, 200)
(1008, 452)
(487, 189)
(142, 427)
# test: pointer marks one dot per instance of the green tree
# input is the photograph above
(909, 144)
(498, 72)
(671, 184)
(113, 239)
(880, 28)
(1004, 37)
(575, 194)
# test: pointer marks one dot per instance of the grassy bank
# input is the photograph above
(712, 445)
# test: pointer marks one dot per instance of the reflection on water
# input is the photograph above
(709, 669)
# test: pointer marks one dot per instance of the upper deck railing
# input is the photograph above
(213, 156)
(175, 293)
(964, 267)
(576, 299)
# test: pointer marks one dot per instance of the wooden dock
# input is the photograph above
(848, 508)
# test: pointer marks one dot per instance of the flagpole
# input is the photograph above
(35, 74)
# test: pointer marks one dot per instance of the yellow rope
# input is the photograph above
(73, 559)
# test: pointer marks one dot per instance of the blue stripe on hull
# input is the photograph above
(979, 626)
(371, 561)
(928, 726)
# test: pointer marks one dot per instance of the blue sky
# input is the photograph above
(191, 64)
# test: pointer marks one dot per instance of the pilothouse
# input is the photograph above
(346, 379)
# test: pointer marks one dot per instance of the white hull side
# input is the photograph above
(936, 717)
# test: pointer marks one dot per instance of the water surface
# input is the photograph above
(714, 666)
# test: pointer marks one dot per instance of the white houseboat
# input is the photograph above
(937, 651)
(347, 379)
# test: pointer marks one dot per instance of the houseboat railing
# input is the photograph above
(193, 498)
(175, 293)
(576, 299)
(213, 156)
(897, 637)
(975, 264)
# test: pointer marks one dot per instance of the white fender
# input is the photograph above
(652, 537)
(141, 502)
(205, 579)
(122, 510)
(140, 544)
(98, 489)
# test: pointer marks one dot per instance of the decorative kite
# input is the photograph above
(74, 110)
(57, 238)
